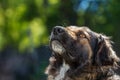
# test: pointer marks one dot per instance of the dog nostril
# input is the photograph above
(58, 30)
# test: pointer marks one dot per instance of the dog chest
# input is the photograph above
(62, 72)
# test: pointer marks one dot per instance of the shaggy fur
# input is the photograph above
(81, 54)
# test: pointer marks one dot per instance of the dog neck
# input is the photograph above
(63, 69)
(95, 73)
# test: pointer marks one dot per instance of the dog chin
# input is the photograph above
(57, 47)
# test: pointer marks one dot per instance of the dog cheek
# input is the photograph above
(85, 48)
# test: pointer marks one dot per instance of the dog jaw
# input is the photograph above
(57, 47)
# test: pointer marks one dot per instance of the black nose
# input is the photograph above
(58, 30)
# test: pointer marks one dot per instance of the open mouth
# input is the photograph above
(57, 47)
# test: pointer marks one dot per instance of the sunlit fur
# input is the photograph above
(87, 54)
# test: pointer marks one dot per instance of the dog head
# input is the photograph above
(78, 44)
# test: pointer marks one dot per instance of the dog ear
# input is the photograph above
(105, 55)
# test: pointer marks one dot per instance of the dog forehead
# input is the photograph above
(73, 28)
(76, 28)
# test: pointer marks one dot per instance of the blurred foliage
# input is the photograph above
(19, 21)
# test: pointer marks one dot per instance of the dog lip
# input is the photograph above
(57, 47)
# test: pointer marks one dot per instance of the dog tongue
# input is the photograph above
(57, 47)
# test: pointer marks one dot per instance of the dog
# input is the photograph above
(79, 53)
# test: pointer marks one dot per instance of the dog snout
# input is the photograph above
(58, 30)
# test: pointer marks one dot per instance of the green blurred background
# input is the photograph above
(25, 26)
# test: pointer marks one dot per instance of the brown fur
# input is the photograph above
(89, 55)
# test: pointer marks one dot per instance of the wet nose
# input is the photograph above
(58, 30)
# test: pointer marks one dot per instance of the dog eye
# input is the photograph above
(81, 35)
